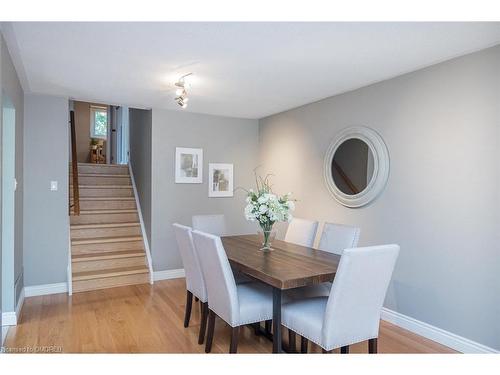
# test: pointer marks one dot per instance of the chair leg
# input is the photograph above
(189, 305)
(268, 326)
(233, 346)
(210, 331)
(291, 341)
(372, 346)
(256, 329)
(344, 349)
(303, 345)
(203, 323)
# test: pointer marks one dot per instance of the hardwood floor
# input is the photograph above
(149, 318)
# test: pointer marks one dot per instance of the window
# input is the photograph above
(98, 122)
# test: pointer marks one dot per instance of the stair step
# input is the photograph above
(107, 247)
(110, 203)
(104, 265)
(102, 165)
(91, 275)
(105, 261)
(102, 168)
(110, 282)
(108, 255)
(105, 216)
(120, 186)
(102, 212)
(104, 186)
(104, 225)
(87, 191)
(101, 175)
(101, 240)
(83, 231)
(105, 199)
(103, 179)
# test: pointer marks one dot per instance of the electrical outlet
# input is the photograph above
(53, 185)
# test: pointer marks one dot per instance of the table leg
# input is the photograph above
(276, 320)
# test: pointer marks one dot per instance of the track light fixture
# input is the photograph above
(181, 92)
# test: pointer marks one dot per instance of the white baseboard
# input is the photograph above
(10, 318)
(143, 227)
(169, 274)
(45, 289)
(436, 334)
(5, 329)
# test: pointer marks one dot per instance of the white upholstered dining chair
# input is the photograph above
(216, 225)
(351, 313)
(195, 283)
(213, 224)
(335, 238)
(236, 304)
(301, 232)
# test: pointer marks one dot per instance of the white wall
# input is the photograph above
(46, 219)
(8, 172)
(223, 140)
(442, 201)
(13, 92)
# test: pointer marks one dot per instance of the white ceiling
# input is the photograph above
(248, 70)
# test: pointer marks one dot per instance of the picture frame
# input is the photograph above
(188, 165)
(220, 180)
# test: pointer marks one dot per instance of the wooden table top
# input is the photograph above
(287, 266)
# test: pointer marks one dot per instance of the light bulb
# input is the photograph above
(179, 92)
(184, 105)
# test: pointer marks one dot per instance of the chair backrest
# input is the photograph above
(219, 279)
(213, 224)
(357, 295)
(301, 232)
(335, 238)
(192, 268)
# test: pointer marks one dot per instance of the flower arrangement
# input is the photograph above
(267, 208)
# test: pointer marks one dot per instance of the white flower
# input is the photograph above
(249, 215)
(268, 208)
(263, 198)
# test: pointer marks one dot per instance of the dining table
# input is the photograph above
(286, 266)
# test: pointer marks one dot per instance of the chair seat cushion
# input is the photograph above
(311, 291)
(256, 302)
(305, 316)
(241, 278)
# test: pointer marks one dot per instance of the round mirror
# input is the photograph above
(356, 166)
(352, 166)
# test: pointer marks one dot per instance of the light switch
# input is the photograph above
(53, 185)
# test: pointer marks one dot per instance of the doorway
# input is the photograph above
(119, 134)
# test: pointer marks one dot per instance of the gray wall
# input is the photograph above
(223, 140)
(46, 220)
(1, 131)
(11, 87)
(140, 159)
(441, 204)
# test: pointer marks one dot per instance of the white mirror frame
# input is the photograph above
(381, 166)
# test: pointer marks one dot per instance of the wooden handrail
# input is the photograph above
(74, 165)
(345, 177)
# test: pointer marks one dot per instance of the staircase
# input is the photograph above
(107, 248)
